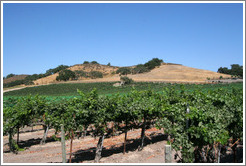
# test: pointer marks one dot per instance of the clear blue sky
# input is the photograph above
(37, 37)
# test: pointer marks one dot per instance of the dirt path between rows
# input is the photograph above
(84, 148)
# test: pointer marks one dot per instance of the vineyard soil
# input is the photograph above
(83, 148)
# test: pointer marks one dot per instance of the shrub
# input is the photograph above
(139, 69)
(65, 75)
(108, 64)
(236, 69)
(95, 74)
(126, 80)
(10, 75)
(13, 83)
(56, 70)
(123, 71)
(94, 62)
(29, 83)
(86, 62)
(153, 63)
(80, 73)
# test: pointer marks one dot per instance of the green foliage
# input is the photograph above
(214, 115)
(96, 74)
(13, 83)
(21, 113)
(65, 75)
(10, 75)
(86, 62)
(80, 73)
(94, 62)
(210, 121)
(140, 69)
(56, 70)
(107, 88)
(109, 64)
(153, 63)
(123, 71)
(236, 69)
(30, 78)
(126, 80)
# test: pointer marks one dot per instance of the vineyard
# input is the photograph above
(200, 124)
(107, 88)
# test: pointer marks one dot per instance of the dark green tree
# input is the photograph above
(65, 75)
(236, 70)
(94, 62)
(10, 75)
(80, 73)
(56, 70)
(153, 63)
(86, 62)
(123, 71)
(223, 70)
(139, 69)
(95, 74)
(126, 80)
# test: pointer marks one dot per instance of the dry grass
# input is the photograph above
(164, 73)
(14, 78)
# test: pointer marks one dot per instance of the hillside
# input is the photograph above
(106, 70)
(14, 78)
(164, 73)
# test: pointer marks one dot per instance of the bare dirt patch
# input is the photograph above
(84, 148)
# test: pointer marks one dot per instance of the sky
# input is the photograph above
(40, 36)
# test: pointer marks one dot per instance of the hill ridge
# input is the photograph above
(167, 72)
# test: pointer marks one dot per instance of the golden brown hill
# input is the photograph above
(169, 73)
(164, 73)
(14, 78)
(178, 73)
(106, 70)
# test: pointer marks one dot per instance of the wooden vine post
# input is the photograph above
(168, 154)
(124, 151)
(63, 144)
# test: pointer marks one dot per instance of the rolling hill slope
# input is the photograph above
(164, 73)
(14, 78)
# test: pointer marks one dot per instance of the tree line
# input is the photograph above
(235, 70)
(140, 68)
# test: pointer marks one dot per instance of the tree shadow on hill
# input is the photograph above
(133, 144)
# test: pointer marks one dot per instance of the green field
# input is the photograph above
(70, 90)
